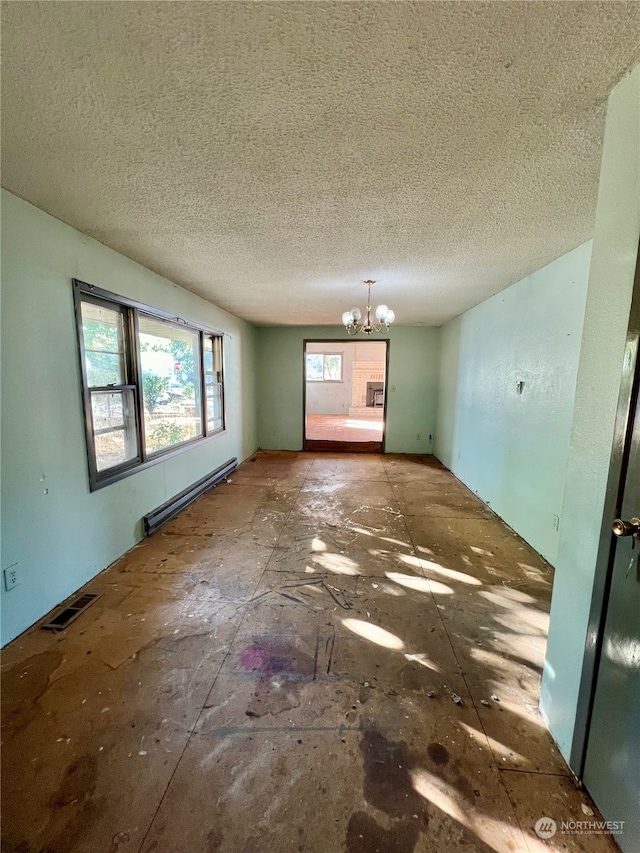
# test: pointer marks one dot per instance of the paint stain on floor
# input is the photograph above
(280, 667)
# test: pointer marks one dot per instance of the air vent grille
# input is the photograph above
(67, 614)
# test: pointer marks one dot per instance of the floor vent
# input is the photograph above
(172, 507)
(70, 612)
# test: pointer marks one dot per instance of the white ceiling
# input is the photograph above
(269, 156)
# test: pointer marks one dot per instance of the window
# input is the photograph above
(213, 381)
(171, 383)
(324, 366)
(110, 394)
(152, 384)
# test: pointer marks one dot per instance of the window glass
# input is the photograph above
(314, 367)
(324, 367)
(170, 362)
(214, 406)
(114, 428)
(103, 333)
(332, 367)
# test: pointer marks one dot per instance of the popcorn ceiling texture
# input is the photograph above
(269, 156)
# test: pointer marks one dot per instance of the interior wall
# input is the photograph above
(615, 249)
(57, 533)
(412, 385)
(509, 441)
(370, 350)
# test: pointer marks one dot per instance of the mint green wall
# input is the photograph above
(512, 448)
(61, 537)
(412, 385)
(615, 248)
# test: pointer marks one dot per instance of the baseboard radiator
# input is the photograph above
(157, 517)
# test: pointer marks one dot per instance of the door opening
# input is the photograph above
(345, 395)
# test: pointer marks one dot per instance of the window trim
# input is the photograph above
(130, 308)
(323, 354)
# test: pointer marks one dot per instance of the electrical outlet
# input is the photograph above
(11, 577)
(556, 522)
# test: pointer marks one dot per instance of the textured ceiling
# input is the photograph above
(269, 156)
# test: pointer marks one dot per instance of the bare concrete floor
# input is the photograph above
(328, 653)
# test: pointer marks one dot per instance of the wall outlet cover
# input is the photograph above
(11, 577)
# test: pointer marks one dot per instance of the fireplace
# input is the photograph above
(375, 394)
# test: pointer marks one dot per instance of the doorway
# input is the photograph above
(345, 395)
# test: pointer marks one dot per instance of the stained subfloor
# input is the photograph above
(342, 428)
(329, 653)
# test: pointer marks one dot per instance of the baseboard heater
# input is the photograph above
(157, 517)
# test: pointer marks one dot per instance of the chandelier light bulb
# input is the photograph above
(355, 314)
(381, 312)
(346, 318)
(391, 316)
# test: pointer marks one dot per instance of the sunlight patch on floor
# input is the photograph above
(374, 633)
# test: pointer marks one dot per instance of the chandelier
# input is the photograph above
(384, 316)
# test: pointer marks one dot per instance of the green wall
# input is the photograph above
(511, 447)
(615, 248)
(412, 385)
(58, 533)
